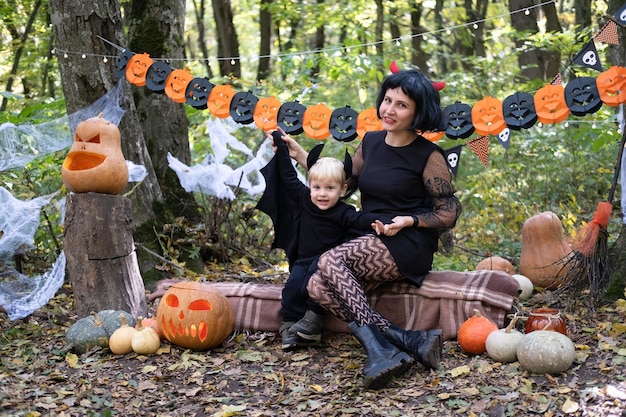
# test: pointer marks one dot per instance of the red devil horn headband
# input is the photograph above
(393, 67)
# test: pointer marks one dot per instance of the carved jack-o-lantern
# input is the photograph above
(242, 107)
(342, 124)
(519, 111)
(122, 61)
(195, 316)
(156, 76)
(550, 104)
(290, 116)
(219, 100)
(198, 91)
(487, 116)
(316, 121)
(612, 86)
(137, 68)
(95, 162)
(458, 120)
(368, 121)
(176, 85)
(266, 113)
(582, 96)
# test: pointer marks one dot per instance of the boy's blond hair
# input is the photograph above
(327, 168)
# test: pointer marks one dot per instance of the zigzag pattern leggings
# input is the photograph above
(347, 272)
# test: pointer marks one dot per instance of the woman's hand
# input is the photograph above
(397, 223)
(296, 151)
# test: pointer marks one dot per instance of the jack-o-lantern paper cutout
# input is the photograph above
(198, 91)
(368, 121)
(290, 117)
(316, 121)
(95, 162)
(219, 100)
(458, 120)
(176, 85)
(266, 113)
(342, 124)
(550, 104)
(487, 116)
(157, 75)
(242, 107)
(519, 111)
(433, 136)
(582, 96)
(612, 86)
(137, 68)
(195, 316)
(122, 62)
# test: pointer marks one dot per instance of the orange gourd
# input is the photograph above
(473, 332)
(496, 263)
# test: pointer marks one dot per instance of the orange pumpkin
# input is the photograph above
(195, 316)
(316, 121)
(95, 162)
(488, 117)
(219, 100)
(266, 113)
(550, 104)
(176, 85)
(612, 86)
(473, 332)
(496, 263)
(368, 121)
(137, 69)
(433, 136)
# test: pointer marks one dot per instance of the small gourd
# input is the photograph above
(120, 342)
(87, 333)
(145, 340)
(473, 332)
(496, 263)
(526, 285)
(545, 351)
(150, 322)
(502, 344)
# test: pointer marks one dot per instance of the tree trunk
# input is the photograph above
(227, 41)
(200, 9)
(77, 25)
(530, 59)
(265, 41)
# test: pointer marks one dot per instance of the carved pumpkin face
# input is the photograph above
(368, 121)
(458, 119)
(242, 107)
(198, 91)
(122, 61)
(342, 124)
(612, 86)
(290, 116)
(176, 85)
(156, 76)
(219, 100)
(487, 116)
(95, 162)
(266, 113)
(195, 316)
(582, 96)
(137, 68)
(550, 104)
(316, 121)
(519, 111)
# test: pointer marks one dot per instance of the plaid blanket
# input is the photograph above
(445, 300)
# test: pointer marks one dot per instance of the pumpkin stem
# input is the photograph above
(536, 208)
(511, 324)
(139, 323)
(123, 320)
(97, 321)
(477, 313)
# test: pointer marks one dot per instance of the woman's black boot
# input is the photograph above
(384, 360)
(425, 345)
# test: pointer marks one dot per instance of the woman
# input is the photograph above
(402, 174)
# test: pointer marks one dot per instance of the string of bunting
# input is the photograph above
(490, 116)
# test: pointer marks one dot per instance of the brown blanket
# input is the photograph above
(445, 300)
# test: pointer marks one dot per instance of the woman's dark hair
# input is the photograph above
(428, 114)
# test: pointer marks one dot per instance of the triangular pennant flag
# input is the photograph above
(620, 15)
(608, 33)
(557, 80)
(504, 138)
(453, 156)
(589, 57)
(480, 146)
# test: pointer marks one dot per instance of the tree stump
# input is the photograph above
(100, 251)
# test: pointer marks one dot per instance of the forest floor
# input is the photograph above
(249, 375)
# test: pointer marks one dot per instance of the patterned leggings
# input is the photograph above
(347, 272)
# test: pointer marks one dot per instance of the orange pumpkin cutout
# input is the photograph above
(368, 121)
(176, 85)
(433, 136)
(95, 162)
(612, 86)
(195, 316)
(488, 117)
(137, 69)
(316, 120)
(266, 113)
(550, 104)
(219, 100)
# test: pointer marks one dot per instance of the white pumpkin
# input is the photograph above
(545, 351)
(526, 285)
(502, 344)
